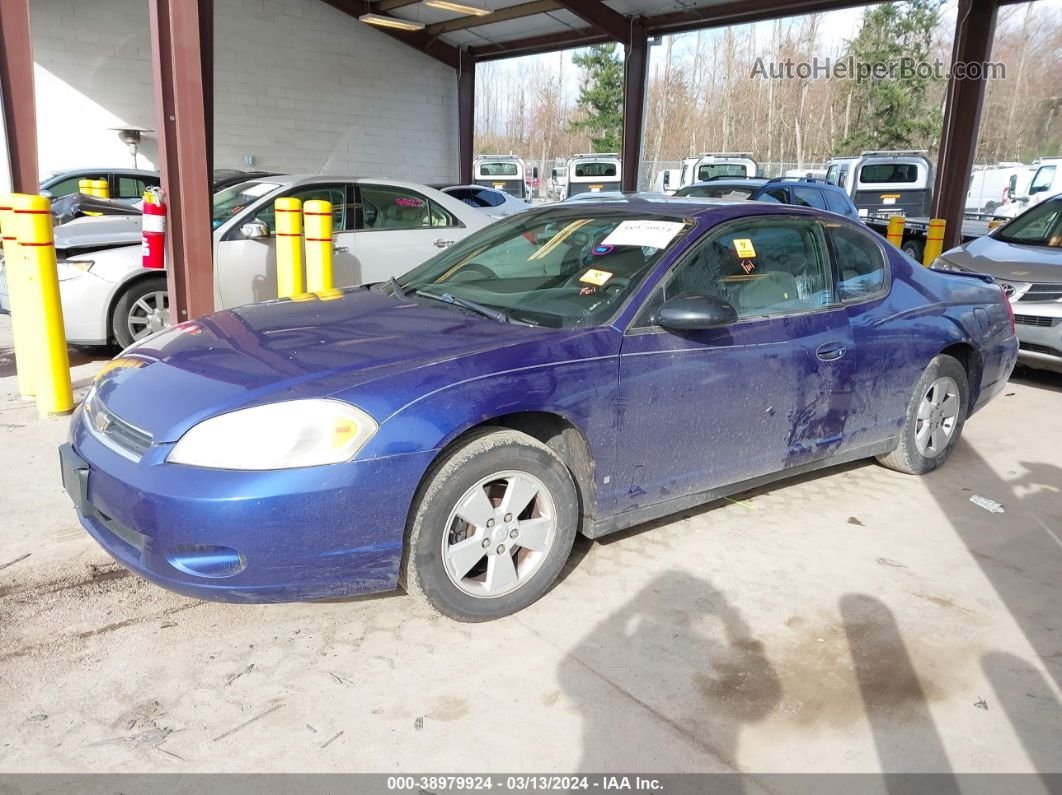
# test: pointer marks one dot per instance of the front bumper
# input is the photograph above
(85, 300)
(273, 536)
(1039, 328)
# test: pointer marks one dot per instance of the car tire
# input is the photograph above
(135, 305)
(914, 249)
(935, 417)
(462, 501)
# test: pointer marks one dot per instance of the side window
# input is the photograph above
(130, 188)
(68, 186)
(860, 263)
(767, 266)
(808, 197)
(837, 202)
(336, 194)
(775, 194)
(1043, 179)
(384, 207)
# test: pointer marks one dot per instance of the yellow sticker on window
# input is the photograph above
(744, 248)
(595, 277)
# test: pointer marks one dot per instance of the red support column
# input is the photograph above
(183, 103)
(635, 73)
(466, 116)
(16, 95)
(974, 30)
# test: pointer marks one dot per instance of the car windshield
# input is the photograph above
(1040, 226)
(553, 267)
(232, 201)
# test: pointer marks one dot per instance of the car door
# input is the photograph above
(702, 409)
(246, 268)
(398, 229)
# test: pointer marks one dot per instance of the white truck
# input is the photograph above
(889, 181)
(991, 187)
(715, 165)
(592, 173)
(506, 173)
(1045, 182)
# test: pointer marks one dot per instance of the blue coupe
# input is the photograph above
(573, 369)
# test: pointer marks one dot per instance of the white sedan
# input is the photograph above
(495, 203)
(381, 228)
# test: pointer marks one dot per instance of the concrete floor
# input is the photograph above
(853, 621)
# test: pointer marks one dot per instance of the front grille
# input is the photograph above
(113, 431)
(1043, 292)
(1033, 320)
(1034, 348)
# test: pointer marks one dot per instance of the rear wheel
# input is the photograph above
(914, 249)
(142, 309)
(935, 417)
(491, 528)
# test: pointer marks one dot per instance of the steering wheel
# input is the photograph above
(472, 269)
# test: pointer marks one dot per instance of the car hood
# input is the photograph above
(1012, 261)
(295, 349)
(104, 230)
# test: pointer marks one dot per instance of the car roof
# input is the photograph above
(661, 204)
(745, 182)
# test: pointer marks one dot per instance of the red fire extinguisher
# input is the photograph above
(153, 234)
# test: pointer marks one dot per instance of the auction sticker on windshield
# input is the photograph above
(649, 234)
(595, 277)
(744, 248)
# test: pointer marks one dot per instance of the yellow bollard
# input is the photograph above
(318, 245)
(21, 313)
(86, 186)
(103, 189)
(289, 246)
(33, 227)
(895, 233)
(934, 241)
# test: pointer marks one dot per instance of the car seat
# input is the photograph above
(768, 291)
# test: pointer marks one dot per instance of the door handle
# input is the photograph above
(830, 351)
(340, 250)
(440, 243)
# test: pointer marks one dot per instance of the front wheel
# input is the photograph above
(914, 249)
(142, 309)
(935, 416)
(491, 527)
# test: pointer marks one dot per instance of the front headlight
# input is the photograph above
(941, 264)
(295, 433)
(72, 268)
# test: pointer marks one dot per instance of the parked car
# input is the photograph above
(887, 181)
(1046, 181)
(801, 191)
(494, 203)
(506, 173)
(711, 165)
(573, 369)
(127, 184)
(1025, 257)
(381, 228)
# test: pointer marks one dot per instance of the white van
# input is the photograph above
(592, 173)
(558, 183)
(667, 180)
(714, 165)
(506, 173)
(993, 186)
(885, 181)
(1046, 181)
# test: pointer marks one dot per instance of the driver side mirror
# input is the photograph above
(693, 312)
(255, 230)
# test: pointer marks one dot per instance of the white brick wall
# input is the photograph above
(298, 85)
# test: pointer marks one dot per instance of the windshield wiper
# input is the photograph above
(464, 303)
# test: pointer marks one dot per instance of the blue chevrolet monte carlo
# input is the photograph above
(573, 369)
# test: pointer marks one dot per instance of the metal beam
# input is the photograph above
(974, 30)
(739, 12)
(417, 39)
(635, 74)
(550, 42)
(16, 94)
(466, 117)
(176, 28)
(501, 15)
(383, 6)
(601, 17)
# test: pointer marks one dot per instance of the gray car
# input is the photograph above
(1025, 257)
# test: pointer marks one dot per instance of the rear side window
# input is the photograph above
(130, 187)
(385, 207)
(775, 194)
(808, 197)
(497, 169)
(860, 263)
(837, 202)
(889, 172)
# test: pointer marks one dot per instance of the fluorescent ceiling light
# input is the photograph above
(390, 22)
(460, 8)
